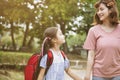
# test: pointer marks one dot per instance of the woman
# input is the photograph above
(103, 43)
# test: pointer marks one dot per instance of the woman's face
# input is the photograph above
(103, 12)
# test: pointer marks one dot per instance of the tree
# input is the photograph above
(18, 12)
(8, 17)
(56, 13)
(71, 15)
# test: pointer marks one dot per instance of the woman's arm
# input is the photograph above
(90, 62)
(72, 75)
(41, 74)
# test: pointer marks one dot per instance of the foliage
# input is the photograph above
(75, 40)
(14, 57)
(118, 4)
(6, 41)
(31, 19)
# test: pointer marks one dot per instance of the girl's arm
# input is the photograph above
(90, 62)
(41, 74)
(72, 75)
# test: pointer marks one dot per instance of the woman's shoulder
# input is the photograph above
(95, 27)
(118, 25)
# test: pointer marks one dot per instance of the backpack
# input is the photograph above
(33, 65)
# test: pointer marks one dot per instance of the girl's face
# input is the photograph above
(103, 12)
(60, 38)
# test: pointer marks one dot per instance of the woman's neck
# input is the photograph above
(107, 27)
(107, 24)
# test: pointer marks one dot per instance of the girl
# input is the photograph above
(53, 40)
(103, 42)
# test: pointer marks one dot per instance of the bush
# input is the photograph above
(14, 57)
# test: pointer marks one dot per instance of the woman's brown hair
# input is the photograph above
(113, 16)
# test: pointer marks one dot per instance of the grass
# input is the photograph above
(21, 58)
(11, 75)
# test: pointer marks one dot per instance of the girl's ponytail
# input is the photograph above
(45, 45)
(43, 52)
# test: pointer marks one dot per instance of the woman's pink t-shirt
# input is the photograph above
(107, 51)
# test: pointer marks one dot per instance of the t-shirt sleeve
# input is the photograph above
(66, 63)
(43, 61)
(90, 41)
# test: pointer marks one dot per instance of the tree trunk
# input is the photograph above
(25, 35)
(30, 42)
(12, 36)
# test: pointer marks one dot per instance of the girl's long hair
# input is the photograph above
(49, 34)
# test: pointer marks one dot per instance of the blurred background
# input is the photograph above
(22, 23)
